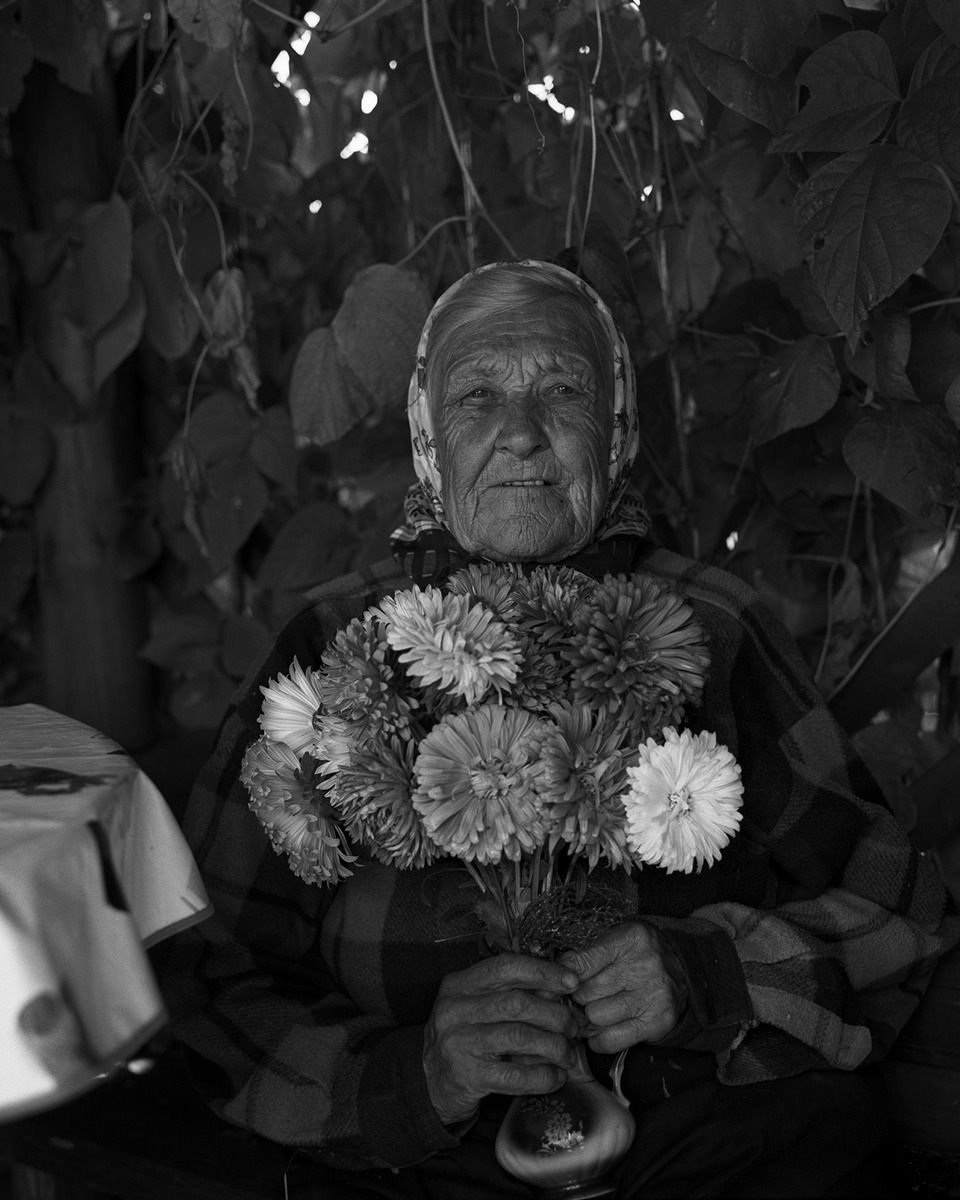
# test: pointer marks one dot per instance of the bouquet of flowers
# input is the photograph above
(527, 725)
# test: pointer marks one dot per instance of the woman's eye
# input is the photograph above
(480, 392)
(563, 389)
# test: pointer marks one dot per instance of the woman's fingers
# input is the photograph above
(515, 1006)
(499, 1026)
(512, 971)
(628, 988)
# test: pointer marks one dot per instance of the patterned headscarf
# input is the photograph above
(423, 507)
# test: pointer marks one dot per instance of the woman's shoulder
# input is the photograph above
(731, 608)
(700, 581)
(372, 580)
(306, 629)
(333, 603)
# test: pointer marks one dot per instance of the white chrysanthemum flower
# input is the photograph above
(444, 640)
(290, 704)
(298, 820)
(683, 802)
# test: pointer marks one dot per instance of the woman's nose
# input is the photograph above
(521, 431)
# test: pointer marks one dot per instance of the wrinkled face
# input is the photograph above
(523, 438)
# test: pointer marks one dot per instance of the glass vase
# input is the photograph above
(567, 1142)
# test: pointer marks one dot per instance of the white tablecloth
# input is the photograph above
(93, 870)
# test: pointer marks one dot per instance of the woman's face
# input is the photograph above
(523, 439)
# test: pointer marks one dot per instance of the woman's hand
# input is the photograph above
(486, 1016)
(631, 988)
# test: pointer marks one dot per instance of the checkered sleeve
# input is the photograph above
(275, 1044)
(826, 967)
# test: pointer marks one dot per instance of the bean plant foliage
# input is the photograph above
(765, 192)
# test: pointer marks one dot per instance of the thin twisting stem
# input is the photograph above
(593, 130)
(451, 131)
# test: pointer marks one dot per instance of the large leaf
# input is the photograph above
(324, 402)
(766, 101)
(908, 453)
(272, 448)
(908, 29)
(172, 319)
(219, 428)
(71, 35)
(93, 282)
(941, 58)
(853, 90)
(764, 35)
(798, 287)
(880, 359)
(929, 123)
(184, 643)
(795, 388)
(693, 264)
(315, 545)
(946, 13)
(234, 502)
(759, 211)
(376, 331)
(360, 365)
(867, 220)
(120, 338)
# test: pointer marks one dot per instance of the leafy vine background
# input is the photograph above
(223, 221)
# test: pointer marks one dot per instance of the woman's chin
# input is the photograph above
(510, 543)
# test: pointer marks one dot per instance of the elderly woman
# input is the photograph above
(358, 1024)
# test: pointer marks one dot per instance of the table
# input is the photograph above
(93, 871)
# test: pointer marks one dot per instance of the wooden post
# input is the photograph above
(92, 621)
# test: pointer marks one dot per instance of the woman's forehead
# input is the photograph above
(497, 354)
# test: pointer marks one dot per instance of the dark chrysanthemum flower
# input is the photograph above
(550, 600)
(638, 652)
(542, 677)
(373, 795)
(285, 797)
(445, 641)
(584, 776)
(362, 680)
(478, 774)
(491, 584)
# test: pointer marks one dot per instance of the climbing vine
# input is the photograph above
(766, 193)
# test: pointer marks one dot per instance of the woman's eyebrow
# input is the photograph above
(492, 361)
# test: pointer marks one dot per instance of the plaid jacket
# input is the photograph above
(806, 946)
